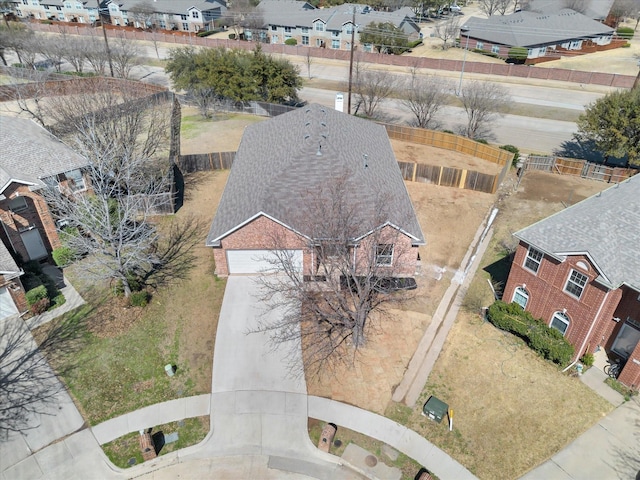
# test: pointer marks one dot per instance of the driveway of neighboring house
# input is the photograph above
(56, 415)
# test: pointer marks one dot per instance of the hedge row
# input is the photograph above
(546, 341)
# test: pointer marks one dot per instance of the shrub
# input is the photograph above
(625, 32)
(546, 341)
(40, 306)
(232, 36)
(36, 294)
(587, 359)
(518, 53)
(482, 141)
(291, 41)
(415, 43)
(63, 256)
(135, 284)
(33, 266)
(514, 150)
(206, 34)
(139, 299)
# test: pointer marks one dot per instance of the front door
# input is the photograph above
(34, 244)
(627, 339)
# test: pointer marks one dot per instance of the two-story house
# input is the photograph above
(579, 271)
(326, 27)
(32, 158)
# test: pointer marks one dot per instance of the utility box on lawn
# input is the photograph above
(435, 409)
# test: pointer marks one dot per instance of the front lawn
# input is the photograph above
(119, 366)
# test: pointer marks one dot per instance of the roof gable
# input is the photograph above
(30, 153)
(604, 227)
(281, 163)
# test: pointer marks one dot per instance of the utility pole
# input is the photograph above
(353, 36)
(106, 42)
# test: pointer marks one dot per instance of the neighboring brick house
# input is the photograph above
(544, 34)
(327, 27)
(183, 15)
(32, 158)
(579, 271)
(282, 171)
(12, 295)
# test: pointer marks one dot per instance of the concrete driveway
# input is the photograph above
(52, 417)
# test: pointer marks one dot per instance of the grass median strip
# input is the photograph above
(190, 431)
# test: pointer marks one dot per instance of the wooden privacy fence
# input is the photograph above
(411, 171)
(205, 161)
(450, 176)
(578, 168)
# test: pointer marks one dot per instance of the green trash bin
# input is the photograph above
(435, 409)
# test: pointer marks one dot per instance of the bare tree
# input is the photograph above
(489, 7)
(425, 96)
(447, 30)
(483, 102)
(125, 55)
(54, 51)
(350, 290)
(243, 14)
(371, 88)
(145, 16)
(75, 51)
(625, 8)
(503, 6)
(308, 61)
(95, 53)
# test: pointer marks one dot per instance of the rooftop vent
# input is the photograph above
(319, 152)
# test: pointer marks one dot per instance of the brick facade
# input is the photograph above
(16, 290)
(36, 215)
(592, 316)
(263, 233)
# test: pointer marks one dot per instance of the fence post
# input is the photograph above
(463, 178)
(210, 162)
(440, 175)
(415, 168)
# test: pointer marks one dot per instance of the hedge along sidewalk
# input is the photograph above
(74, 300)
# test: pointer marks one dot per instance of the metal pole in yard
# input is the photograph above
(353, 35)
(106, 41)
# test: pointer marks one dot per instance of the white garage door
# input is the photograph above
(7, 307)
(258, 261)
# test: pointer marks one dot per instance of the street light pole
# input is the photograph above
(106, 42)
(464, 58)
(353, 36)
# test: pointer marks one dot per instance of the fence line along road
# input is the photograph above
(507, 70)
(578, 168)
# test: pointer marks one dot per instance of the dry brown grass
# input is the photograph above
(512, 410)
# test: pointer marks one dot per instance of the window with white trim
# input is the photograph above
(304, 29)
(384, 254)
(335, 44)
(305, 39)
(195, 14)
(18, 204)
(318, 26)
(480, 45)
(495, 49)
(576, 283)
(75, 180)
(521, 297)
(287, 29)
(533, 259)
(335, 33)
(560, 321)
(185, 27)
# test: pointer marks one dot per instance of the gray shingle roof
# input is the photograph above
(606, 227)
(528, 29)
(176, 7)
(30, 153)
(595, 9)
(277, 165)
(289, 13)
(7, 263)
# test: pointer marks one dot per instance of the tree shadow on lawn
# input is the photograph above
(175, 251)
(499, 270)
